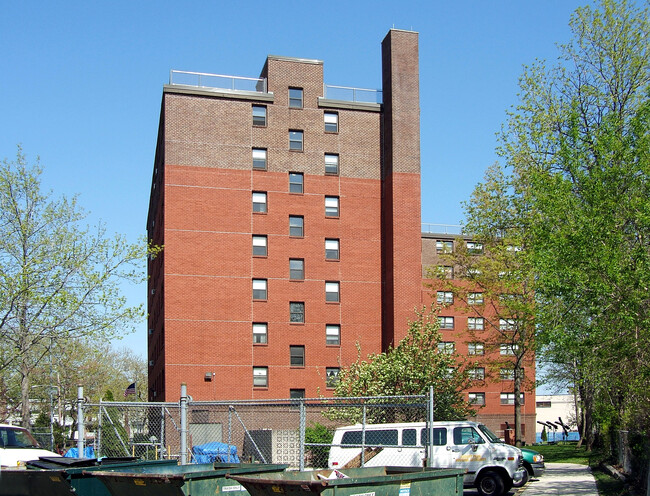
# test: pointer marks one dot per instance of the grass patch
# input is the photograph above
(608, 485)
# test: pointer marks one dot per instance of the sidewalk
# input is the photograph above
(562, 479)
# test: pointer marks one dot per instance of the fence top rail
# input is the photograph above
(360, 400)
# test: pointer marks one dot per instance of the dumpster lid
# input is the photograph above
(59, 462)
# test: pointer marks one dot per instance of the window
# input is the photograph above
(331, 206)
(259, 115)
(507, 324)
(446, 347)
(295, 97)
(332, 292)
(467, 435)
(259, 289)
(543, 404)
(473, 273)
(297, 312)
(260, 333)
(374, 437)
(474, 298)
(444, 246)
(331, 122)
(259, 202)
(333, 335)
(259, 158)
(475, 323)
(445, 297)
(409, 437)
(295, 141)
(259, 245)
(297, 356)
(507, 374)
(475, 349)
(476, 398)
(509, 398)
(474, 248)
(446, 322)
(439, 436)
(296, 394)
(445, 272)
(508, 349)
(331, 376)
(331, 163)
(295, 182)
(477, 373)
(260, 377)
(331, 249)
(296, 269)
(296, 223)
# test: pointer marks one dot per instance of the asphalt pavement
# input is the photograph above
(563, 479)
(560, 479)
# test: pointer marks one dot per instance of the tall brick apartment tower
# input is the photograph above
(290, 221)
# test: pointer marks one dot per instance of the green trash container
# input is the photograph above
(184, 480)
(66, 476)
(367, 481)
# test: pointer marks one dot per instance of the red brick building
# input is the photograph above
(290, 220)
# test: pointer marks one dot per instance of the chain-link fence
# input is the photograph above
(297, 432)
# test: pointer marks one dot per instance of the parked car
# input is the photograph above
(491, 465)
(18, 446)
(534, 465)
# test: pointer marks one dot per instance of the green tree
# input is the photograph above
(577, 145)
(59, 279)
(410, 369)
(496, 280)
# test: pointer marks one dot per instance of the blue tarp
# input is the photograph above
(89, 452)
(215, 452)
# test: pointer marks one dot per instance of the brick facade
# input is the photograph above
(202, 307)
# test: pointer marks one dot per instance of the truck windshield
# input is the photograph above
(492, 437)
(15, 437)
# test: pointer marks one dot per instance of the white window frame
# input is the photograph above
(296, 182)
(331, 206)
(475, 323)
(476, 348)
(258, 116)
(446, 347)
(333, 335)
(260, 285)
(477, 373)
(332, 163)
(332, 291)
(261, 377)
(296, 98)
(445, 297)
(475, 298)
(476, 398)
(296, 140)
(446, 322)
(332, 246)
(331, 120)
(260, 158)
(260, 205)
(260, 333)
(260, 241)
(444, 246)
(293, 226)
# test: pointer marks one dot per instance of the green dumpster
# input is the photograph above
(184, 480)
(65, 476)
(367, 481)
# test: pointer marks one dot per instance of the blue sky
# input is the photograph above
(81, 82)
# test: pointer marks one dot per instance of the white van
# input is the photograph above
(491, 465)
(18, 446)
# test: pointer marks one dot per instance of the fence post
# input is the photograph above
(183, 404)
(302, 433)
(80, 421)
(430, 422)
(98, 441)
(363, 436)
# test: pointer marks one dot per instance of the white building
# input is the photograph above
(552, 408)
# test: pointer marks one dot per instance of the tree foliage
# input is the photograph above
(410, 369)
(495, 281)
(59, 279)
(577, 145)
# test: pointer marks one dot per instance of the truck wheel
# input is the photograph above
(523, 480)
(490, 484)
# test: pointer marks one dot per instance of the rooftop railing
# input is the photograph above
(350, 94)
(441, 229)
(217, 81)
